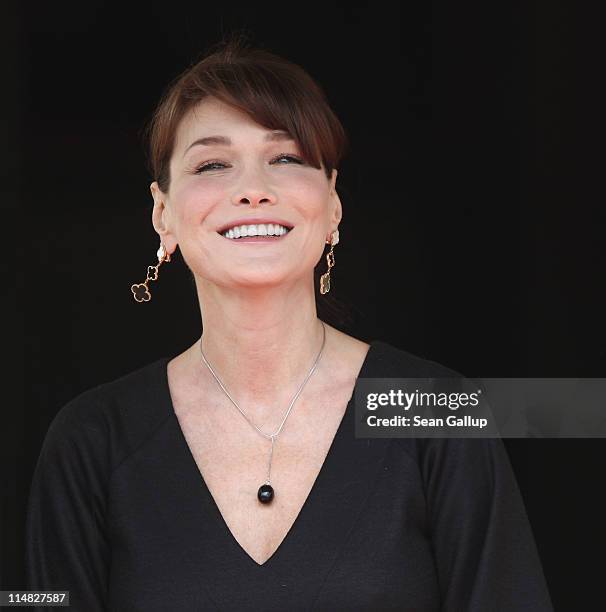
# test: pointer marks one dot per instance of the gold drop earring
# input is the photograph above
(330, 258)
(141, 291)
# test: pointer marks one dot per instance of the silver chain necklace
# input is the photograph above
(265, 494)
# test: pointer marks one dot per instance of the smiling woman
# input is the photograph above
(193, 483)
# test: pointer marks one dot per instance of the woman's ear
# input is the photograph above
(333, 179)
(161, 218)
(337, 211)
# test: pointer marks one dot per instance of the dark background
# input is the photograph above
(473, 225)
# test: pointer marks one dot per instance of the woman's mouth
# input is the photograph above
(262, 233)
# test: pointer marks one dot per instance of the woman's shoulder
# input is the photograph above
(382, 359)
(389, 361)
(125, 408)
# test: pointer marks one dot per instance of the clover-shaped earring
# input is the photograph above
(330, 260)
(140, 292)
(152, 273)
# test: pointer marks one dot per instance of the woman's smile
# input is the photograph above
(263, 239)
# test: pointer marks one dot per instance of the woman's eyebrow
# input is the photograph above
(274, 135)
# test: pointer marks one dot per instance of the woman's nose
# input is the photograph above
(254, 191)
(255, 198)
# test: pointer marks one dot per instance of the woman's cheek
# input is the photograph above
(310, 186)
(198, 200)
(311, 191)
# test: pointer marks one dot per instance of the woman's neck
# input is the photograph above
(261, 344)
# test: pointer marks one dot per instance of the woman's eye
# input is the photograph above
(209, 166)
(291, 158)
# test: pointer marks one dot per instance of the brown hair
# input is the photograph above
(274, 92)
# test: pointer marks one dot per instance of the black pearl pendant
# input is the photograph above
(265, 493)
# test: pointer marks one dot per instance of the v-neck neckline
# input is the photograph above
(322, 489)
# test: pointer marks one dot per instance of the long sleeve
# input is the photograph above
(66, 540)
(484, 549)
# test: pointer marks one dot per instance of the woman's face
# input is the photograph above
(244, 171)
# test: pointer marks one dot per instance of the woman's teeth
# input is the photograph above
(242, 231)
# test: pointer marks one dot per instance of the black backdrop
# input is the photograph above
(473, 212)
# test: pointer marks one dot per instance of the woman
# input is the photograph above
(229, 477)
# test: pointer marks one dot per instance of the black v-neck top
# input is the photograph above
(119, 515)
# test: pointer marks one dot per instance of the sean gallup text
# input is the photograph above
(418, 421)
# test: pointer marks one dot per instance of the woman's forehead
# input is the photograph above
(212, 109)
(212, 118)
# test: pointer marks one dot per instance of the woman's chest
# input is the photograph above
(234, 462)
(360, 541)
